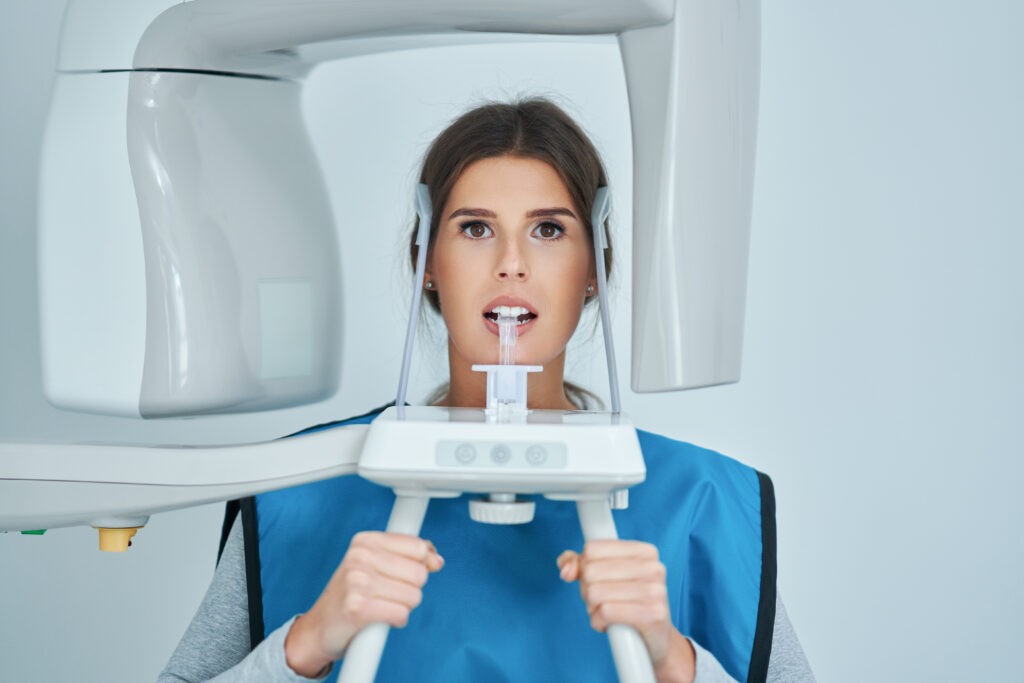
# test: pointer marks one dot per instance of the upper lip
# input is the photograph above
(510, 301)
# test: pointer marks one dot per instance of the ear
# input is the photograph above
(428, 270)
(592, 279)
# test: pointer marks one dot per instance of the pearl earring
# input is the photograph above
(430, 284)
(590, 289)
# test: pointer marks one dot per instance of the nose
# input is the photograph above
(512, 262)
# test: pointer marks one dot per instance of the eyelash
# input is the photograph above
(465, 227)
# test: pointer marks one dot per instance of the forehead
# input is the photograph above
(510, 182)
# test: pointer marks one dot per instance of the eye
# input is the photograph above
(549, 231)
(475, 230)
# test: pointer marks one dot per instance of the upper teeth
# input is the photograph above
(509, 311)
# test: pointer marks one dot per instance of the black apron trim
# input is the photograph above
(332, 423)
(230, 513)
(762, 649)
(253, 584)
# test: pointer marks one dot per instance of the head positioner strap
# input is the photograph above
(424, 215)
(598, 217)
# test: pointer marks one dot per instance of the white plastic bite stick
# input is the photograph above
(508, 334)
(506, 382)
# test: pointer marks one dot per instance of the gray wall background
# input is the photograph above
(882, 369)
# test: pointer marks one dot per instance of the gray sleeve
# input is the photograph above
(787, 661)
(786, 664)
(215, 646)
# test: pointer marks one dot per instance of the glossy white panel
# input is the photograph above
(693, 91)
(92, 289)
(234, 217)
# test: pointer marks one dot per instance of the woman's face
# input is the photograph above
(509, 235)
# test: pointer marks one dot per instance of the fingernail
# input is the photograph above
(565, 572)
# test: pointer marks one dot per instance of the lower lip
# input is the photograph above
(493, 328)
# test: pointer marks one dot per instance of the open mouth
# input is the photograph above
(521, 315)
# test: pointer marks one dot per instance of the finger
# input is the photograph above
(361, 610)
(643, 618)
(435, 562)
(637, 592)
(566, 556)
(612, 548)
(384, 588)
(568, 565)
(621, 570)
(413, 547)
(376, 561)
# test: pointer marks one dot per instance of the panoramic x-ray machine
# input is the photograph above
(194, 269)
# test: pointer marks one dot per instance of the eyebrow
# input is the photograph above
(536, 213)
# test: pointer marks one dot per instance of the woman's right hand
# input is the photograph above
(380, 579)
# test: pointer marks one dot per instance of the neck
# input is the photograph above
(468, 389)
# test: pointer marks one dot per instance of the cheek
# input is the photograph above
(457, 287)
(573, 277)
(453, 308)
(571, 283)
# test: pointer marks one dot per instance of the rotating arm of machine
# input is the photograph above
(55, 485)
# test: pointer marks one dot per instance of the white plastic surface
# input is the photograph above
(242, 274)
(693, 95)
(601, 454)
(92, 281)
(489, 511)
(619, 499)
(268, 36)
(54, 485)
(507, 385)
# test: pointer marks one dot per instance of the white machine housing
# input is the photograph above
(188, 253)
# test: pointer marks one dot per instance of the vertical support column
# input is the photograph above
(632, 661)
(363, 655)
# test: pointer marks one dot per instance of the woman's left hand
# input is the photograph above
(623, 582)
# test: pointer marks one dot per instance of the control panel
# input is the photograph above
(509, 454)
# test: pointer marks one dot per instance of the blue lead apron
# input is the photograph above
(498, 611)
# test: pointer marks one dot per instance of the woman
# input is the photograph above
(512, 188)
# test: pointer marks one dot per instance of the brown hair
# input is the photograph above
(533, 129)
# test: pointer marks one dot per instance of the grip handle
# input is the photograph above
(364, 652)
(632, 661)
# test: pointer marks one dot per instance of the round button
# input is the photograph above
(500, 454)
(536, 455)
(465, 453)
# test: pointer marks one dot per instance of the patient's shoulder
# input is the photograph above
(671, 459)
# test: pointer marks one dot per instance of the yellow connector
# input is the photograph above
(116, 540)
